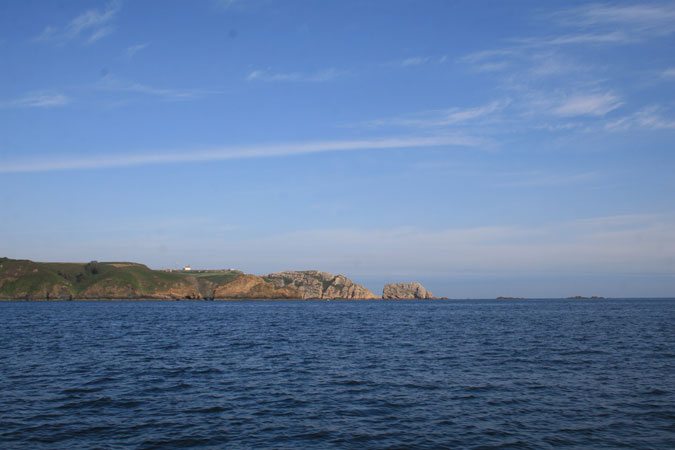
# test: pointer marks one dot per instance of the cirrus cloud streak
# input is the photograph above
(228, 153)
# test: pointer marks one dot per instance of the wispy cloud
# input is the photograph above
(524, 64)
(491, 60)
(415, 61)
(92, 25)
(226, 5)
(594, 24)
(587, 105)
(669, 73)
(599, 24)
(228, 153)
(441, 118)
(649, 118)
(113, 83)
(613, 37)
(554, 179)
(419, 60)
(37, 100)
(133, 49)
(508, 178)
(100, 33)
(550, 80)
(541, 110)
(315, 77)
(634, 21)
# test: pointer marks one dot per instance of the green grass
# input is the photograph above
(218, 277)
(20, 278)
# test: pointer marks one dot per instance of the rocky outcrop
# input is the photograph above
(253, 287)
(314, 284)
(114, 289)
(54, 292)
(400, 291)
(28, 280)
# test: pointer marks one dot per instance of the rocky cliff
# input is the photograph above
(402, 291)
(253, 287)
(314, 284)
(28, 280)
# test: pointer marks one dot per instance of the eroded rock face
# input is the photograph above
(59, 292)
(183, 290)
(400, 291)
(56, 292)
(180, 291)
(320, 285)
(253, 287)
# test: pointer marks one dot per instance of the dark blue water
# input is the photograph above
(344, 375)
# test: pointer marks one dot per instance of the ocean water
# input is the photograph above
(338, 375)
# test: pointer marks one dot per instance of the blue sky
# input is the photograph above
(482, 148)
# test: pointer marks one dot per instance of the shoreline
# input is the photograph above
(136, 299)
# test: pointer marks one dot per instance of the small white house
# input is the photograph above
(187, 268)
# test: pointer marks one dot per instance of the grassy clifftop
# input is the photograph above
(33, 280)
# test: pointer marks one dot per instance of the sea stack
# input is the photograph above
(406, 291)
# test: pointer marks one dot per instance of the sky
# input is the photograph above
(483, 148)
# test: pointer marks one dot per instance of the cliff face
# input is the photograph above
(28, 280)
(53, 292)
(108, 290)
(253, 287)
(314, 284)
(400, 291)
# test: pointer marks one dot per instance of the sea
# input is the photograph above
(431, 374)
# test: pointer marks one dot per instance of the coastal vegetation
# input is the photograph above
(34, 280)
(29, 280)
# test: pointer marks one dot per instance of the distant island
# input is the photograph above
(28, 280)
(576, 297)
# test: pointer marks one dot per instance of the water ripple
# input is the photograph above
(338, 375)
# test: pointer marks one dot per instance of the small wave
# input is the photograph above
(657, 392)
(182, 442)
(364, 388)
(81, 390)
(211, 409)
(101, 380)
(177, 387)
(583, 352)
(206, 371)
(423, 387)
(313, 435)
(484, 388)
(101, 402)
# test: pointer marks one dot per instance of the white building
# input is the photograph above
(187, 268)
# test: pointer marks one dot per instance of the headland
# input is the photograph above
(22, 279)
